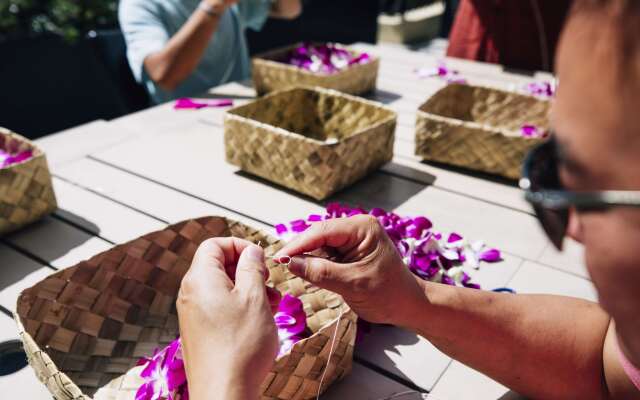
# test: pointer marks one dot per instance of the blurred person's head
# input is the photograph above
(597, 121)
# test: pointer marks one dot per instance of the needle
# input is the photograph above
(283, 260)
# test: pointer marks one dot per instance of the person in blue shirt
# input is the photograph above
(179, 48)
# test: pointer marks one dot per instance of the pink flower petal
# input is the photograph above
(491, 255)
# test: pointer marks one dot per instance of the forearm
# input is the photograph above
(540, 346)
(287, 9)
(182, 53)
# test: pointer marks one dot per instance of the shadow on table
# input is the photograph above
(375, 346)
(379, 189)
(383, 96)
(413, 174)
(511, 395)
(225, 95)
(53, 237)
(376, 190)
(473, 173)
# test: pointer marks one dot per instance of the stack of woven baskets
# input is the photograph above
(85, 327)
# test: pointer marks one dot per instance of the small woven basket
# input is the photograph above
(26, 191)
(312, 140)
(479, 128)
(270, 73)
(85, 327)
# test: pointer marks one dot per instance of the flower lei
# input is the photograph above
(164, 374)
(7, 159)
(325, 58)
(425, 252)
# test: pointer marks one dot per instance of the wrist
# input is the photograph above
(213, 8)
(421, 308)
(223, 387)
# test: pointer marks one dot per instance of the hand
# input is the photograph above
(228, 334)
(370, 274)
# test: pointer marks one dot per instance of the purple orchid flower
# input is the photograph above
(325, 58)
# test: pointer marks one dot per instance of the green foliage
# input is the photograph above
(70, 19)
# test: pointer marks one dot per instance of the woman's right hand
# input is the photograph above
(369, 272)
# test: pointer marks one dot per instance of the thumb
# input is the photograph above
(251, 270)
(319, 271)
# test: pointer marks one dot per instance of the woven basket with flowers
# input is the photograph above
(26, 190)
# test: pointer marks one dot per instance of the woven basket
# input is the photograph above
(85, 327)
(26, 191)
(271, 73)
(479, 128)
(312, 140)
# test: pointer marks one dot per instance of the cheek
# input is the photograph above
(612, 252)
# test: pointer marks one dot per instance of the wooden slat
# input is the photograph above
(101, 216)
(144, 195)
(571, 259)
(536, 278)
(365, 384)
(74, 143)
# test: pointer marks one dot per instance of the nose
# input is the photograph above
(574, 229)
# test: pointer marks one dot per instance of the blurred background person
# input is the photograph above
(520, 34)
(182, 48)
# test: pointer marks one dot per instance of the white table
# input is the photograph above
(117, 180)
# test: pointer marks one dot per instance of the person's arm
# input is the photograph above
(541, 346)
(286, 9)
(180, 56)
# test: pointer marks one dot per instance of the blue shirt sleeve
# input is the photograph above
(254, 13)
(143, 31)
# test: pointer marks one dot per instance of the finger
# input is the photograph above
(207, 268)
(228, 250)
(319, 271)
(336, 233)
(274, 297)
(251, 270)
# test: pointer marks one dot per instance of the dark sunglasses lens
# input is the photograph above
(543, 167)
(554, 223)
(543, 175)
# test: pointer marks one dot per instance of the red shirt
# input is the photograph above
(519, 34)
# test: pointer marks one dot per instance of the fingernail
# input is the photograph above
(254, 253)
(286, 260)
(297, 265)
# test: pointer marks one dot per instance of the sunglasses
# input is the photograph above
(551, 203)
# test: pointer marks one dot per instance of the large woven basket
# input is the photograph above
(479, 128)
(271, 73)
(85, 327)
(312, 140)
(26, 191)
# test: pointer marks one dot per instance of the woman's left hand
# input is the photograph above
(228, 334)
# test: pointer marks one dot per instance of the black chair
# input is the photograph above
(110, 51)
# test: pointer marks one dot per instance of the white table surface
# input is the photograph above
(117, 180)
